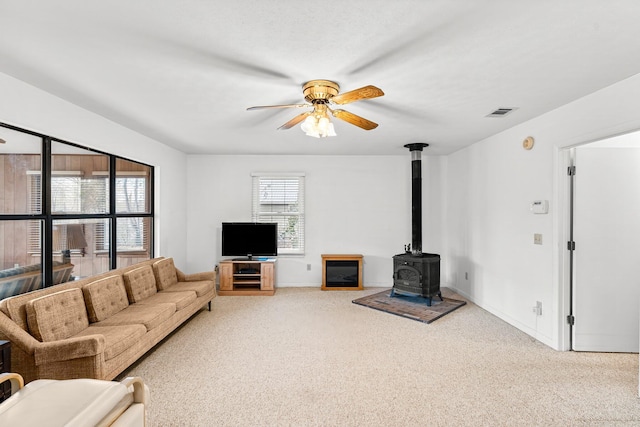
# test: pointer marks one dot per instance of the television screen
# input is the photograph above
(247, 239)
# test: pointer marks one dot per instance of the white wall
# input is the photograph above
(489, 229)
(476, 201)
(25, 106)
(354, 204)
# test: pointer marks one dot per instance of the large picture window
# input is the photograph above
(280, 198)
(68, 211)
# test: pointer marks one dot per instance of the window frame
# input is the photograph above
(258, 215)
(47, 218)
(101, 244)
(34, 242)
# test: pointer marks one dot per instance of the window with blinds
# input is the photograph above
(35, 207)
(280, 198)
(70, 194)
(133, 232)
(75, 194)
(69, 204)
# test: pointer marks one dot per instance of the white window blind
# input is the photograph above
(133, 233)
(76, 194)
(66, 196)
(33, 228)
(280, 198)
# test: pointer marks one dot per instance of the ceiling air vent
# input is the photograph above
(501, 112)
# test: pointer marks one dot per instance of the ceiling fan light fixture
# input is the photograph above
(318, 126)
(308, 126)
(330, 130)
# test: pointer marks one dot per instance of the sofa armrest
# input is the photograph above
(68, 349)
(140, 391)
(20, 338)
(205, 275)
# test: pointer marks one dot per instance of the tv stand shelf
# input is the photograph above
(247, 277)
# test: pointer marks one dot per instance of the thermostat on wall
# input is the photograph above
(540, 206)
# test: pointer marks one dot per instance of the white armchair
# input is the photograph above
(78, 402)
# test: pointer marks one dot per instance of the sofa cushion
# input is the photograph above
(57, 316)
(149, 315)
(139, 283)
(180, 299)
(117, 338)
(165, 273)
(200, 287)
(105, 297)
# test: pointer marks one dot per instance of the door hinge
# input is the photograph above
(571, 170)
(571, 245)
(571, 320)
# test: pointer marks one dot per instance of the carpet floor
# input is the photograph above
(305, 357)
(412, 307)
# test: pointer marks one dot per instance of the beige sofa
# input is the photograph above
(98, 326)
(79, 402)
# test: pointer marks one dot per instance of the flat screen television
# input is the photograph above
(249, 239)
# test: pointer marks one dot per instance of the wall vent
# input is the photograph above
(501, 112)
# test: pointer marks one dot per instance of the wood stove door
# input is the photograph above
(407, 275)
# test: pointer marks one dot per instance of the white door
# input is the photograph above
(606, 291)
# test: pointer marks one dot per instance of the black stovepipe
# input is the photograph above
(416, 196)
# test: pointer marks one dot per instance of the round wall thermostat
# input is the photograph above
(527, 144)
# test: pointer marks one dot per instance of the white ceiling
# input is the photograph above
(184, 72)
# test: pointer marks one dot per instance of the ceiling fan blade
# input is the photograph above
(263, 107)
(424, 37)
(297, 119)
(366, 92)
(354, 120)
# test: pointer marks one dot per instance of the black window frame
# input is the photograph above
(47, 217)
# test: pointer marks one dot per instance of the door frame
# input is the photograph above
(565, 158)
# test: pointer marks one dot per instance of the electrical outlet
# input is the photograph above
(308, 267)
(537, 239)
(538, 308)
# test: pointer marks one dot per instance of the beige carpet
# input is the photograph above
(305, 357)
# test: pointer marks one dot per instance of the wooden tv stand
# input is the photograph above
(244, 277)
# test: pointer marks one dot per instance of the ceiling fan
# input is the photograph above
(320, 94)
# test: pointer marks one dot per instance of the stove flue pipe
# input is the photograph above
(416, 196)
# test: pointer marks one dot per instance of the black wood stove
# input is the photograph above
(414, 272)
